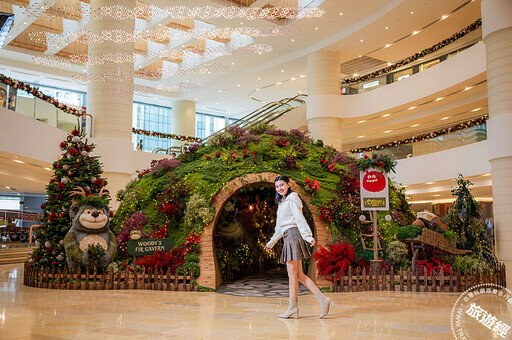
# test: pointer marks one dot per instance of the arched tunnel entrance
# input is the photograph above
(232, 244)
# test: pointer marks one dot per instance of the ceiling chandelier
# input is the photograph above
(158, 89)
(119, 36)
(152, 12)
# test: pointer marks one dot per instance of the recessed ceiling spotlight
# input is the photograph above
(48, 169)
(360, 137)
(429, 183)
(293, 78)
(388, 131)
(195, 98)
(355, 74)
(341, 13)
(411, 108)
(282, 70)
(387, 45)
(360, 56)
(445, 16)
(487, 174)
(238, 85)
(278, 83)
(8, 188)
(259, 78)
(387, 27)
(220, 91)
(316, 28)
(241, 107)
(361, 121)
(468, 88)
(439, 98)
(476, 109)
(241, 22)
(386, 115)
(159, 24)
(445, 118)
(361, 40)
(412, 12)
(218, 103)
(389, 64)
(18, 161)
(257, 89)
(437, 195)
(302, 75)
(293, 40)
(415, 32)
(414, 125)
(233, 63)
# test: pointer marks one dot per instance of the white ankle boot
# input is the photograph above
(292, 311)
(325, 303)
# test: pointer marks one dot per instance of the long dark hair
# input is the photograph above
(285, 178)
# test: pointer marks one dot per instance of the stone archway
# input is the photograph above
(210, 272)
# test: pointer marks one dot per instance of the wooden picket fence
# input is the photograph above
(152, 279)
(406, 281)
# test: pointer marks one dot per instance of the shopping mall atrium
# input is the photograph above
(186, 111)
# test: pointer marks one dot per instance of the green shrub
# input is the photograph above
(314, 168)
(212, 171)
(408, 232)
(465, 263)
(397, 253)
(449, 234)
(198, 211)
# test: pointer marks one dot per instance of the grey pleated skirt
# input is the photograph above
(294, 246)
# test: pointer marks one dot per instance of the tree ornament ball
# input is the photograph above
(84, 153)
(93, 179)
(78, 160)
(362, 218)
(388, 218)
(65, 167)
(87, 188)
(64, 180)
(70, 173)
(47, 244)
(75, 139)
(61, 242)
(37, 243)
(374, 181)
(60, 257)
(68, 156)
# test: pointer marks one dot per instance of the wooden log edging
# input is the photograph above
(155, 279)
(407, 281)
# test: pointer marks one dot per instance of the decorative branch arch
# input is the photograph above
(210, 272)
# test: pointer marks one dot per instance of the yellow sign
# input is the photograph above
(374, 202)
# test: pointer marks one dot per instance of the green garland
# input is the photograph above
(38, 94)
(425, 136)
(166, 135)
(416, 56)
(376, 161)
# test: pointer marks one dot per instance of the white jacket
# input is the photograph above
(289, 215)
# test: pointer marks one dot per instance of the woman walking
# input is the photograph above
(292, 226)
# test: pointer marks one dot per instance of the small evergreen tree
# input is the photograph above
(465, 218)
(75, 168)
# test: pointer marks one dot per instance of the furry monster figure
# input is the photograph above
(90, 226)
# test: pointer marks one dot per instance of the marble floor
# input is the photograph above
(34, 313)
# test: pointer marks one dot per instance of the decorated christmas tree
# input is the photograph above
(466, 219)
(75, 168)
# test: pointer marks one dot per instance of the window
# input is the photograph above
(10, 203)
(68, 97)
(207, 124)
(152, 118)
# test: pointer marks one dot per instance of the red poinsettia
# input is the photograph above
(169, 209)
(334, 261)
(313, 185)
(75, 132)
(433, 265)
(63, 145)
(281, 142)
(73, 151)
(161, 233)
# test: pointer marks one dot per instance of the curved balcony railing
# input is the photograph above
(404, 72)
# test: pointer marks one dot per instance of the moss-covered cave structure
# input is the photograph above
(186, 198)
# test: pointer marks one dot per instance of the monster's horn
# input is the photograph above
(103, 192)
(78, 191)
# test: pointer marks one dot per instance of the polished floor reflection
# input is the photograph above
(34, 313)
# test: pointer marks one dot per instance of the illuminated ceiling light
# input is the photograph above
(487, 174)
(477, 109)
(429, 183)
(360, 56)
(387, 45)
(361, 121)
(293, 78)
(341, 13)
(18, 161)
(360, 137)
(436, 195)
(412, 12)
(257, 89)
(8, 188)
(233, 63)
(355, 74)
(411, 108)
(302, 75)
(316, 28)
(238, 85)
(195, 98)
(220, 91)
(445, 118)
(282, 70)
(444, 16)
(387, 27)
(415, 32)
(278, 83)
(361, 40)
(293, 40)
(48, 169)
(468, 88)
(388, 131)
(218, 103)
(439, 98)
(241, 107)
(415, 125)
(386, 115)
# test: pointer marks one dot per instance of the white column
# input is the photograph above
(112, 112)
(323, 80)
(497, 36)
(183, 119)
